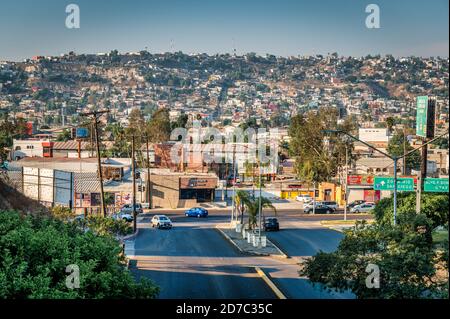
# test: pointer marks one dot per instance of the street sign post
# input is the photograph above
(387, 184)
(421, 116)
(437, 185)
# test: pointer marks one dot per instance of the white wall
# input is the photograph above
(28, 148)
(374, 134)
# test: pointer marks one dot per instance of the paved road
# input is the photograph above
(300, 242)
(192, 261)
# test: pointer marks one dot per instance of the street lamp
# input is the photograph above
(394, 158)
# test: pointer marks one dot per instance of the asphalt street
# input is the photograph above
(193, 260)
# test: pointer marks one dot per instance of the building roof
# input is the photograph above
(376, 162)
(70, 145)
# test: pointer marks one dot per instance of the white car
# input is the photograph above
(303, 198)
(128, 209)
(161, 221)
(124, 216)
(309, 205)
(363, 208)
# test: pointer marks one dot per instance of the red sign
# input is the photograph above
(371, 195)
(360, 180)
(29, 128)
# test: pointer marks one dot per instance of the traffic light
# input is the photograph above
(141, 188)
(138, 175)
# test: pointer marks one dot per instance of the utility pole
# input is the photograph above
(346, 184)
(99, 162)
(314, 198)
(260, 206)
(404, 151)
(395, 189)
(233, 203)
(133, 171)
(423, 174)
(149, 192)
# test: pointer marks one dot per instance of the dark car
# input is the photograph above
(320, 209)
(271, 223)
(196, 212)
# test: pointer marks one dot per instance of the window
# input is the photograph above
(18, 148)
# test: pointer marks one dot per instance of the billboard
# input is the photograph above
(48, 186)
(371, 195)
(425, 117)
(360, 179)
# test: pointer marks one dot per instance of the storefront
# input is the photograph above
(199, 188)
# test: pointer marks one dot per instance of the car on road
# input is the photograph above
(303, 198)
(320, 209)
(363, 208)
(355, 202)
(128, 208)
(310, 204)
(196, 212)
(161, 221)
(123, 216)
(271, 223)
(331, 204)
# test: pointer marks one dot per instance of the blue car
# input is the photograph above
(196, 212)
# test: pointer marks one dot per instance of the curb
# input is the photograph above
(230, 240)
(283, 254)
(132, 235)
(270, 283)
(251, 253)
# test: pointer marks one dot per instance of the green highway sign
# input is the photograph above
(387, 184)
(438, 185)
(421, 116)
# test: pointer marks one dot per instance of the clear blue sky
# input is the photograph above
(281, 27)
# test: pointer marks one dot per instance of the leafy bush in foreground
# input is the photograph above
(35, 251)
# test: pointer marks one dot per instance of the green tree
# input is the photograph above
(390, 122)
(403, 254)
(64, 136)
(35, 251)
(434, 206)
(136, 123)
(397, 146)
(181, 122)
(246, 204)
(158, 127)
(317, 160)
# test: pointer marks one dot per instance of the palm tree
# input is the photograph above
(245, 203)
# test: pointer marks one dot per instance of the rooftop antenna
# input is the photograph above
(234, 46)
(172, 45)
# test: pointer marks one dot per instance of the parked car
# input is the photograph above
(310, 204)
(355, 202)
(161, 221)
(128, 208)
(303, 198)
(271, 223)
(196, 212)
(124, 216)
(363, 208)
(320, 209)
(331, 204)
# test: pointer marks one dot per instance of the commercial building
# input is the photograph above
(179, 190)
